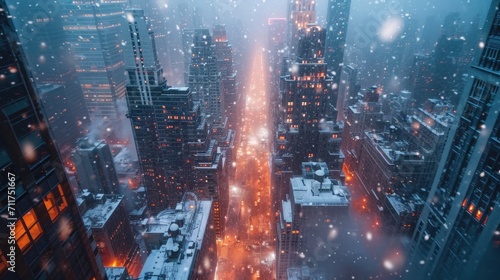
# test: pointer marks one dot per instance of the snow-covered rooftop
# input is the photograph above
(321, 191)
(160, 264)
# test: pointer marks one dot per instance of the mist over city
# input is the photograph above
(249, 139)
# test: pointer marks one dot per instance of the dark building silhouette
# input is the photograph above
(204, 76)
(337, 19)
(95, 168)
(107, 218)
(51, 239)
(300, 13)
(276, 43)
(51, 60)
(308, 130)
(312, 199)
(61, 121)
(457, 235)
(175, 151)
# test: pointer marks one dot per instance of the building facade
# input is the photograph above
(95, 33)
(95, 167)
(337, 19)
(50, 238)
(52, 63)
(457, 233)
(315, 202)
(204, 76)
(107, 218)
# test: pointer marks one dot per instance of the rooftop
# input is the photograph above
(125, 162)
(403, 206)
(320, 191)
(298, 273)
(175, 259)
(45, 88)
(87, 144)
(287, 211)
(393, 150)
(116, 273)
(105, 205)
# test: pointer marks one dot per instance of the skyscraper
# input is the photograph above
(171, 134)
(337, 19)
(228, 86)
(52, 63)
(457, 235)
(95, 169)
(204, 76)
(51, 241)
(95, 31)
(276, 44)
(313, 201)
(146, 82)
(309, 130)
(300, 14)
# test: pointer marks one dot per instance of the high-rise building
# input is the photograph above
(337, 19)
(276, 44)
(204, 76)
(352, 88)
(60, 120)
(300, 14)
(223, 50)
(229, 84)
(182, 242)
(457, 235)
(308, 130)
(94, 30)
(51, 241)
(107, 217)
(187, 41)
(315, 202)
(365, 114)
(95, 168)
(175, 152)
(145, 82)
(143, 67)
(52, 64)
(164, 18)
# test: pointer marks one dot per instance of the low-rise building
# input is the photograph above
(107, 217)
(315, 203)
(181, 242)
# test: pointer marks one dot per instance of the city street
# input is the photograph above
(246, 251)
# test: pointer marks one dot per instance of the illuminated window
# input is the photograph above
(479, 214)
(464, 203)
(27, 230)
(335, 136)
(61, 203)
(471, 208)
(50, 204)
(310, 155)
